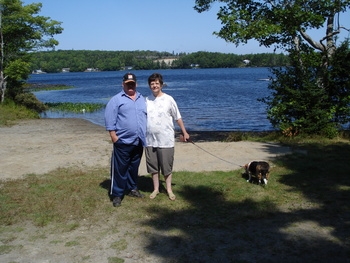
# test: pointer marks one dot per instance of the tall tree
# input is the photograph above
(306, 97)
(279, 22)
(22, 30)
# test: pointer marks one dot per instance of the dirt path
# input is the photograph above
(39, 146)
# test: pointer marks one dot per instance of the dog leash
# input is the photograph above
(204, 150)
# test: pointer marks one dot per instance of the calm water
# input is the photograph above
(209, 99)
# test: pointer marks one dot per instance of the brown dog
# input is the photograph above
(258, 169)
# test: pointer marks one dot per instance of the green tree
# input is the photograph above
(22, 30)
(308, 96)
(299, 105)
(280, 22)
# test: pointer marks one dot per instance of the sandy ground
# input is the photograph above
(39, 146)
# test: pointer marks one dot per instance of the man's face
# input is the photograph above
(129, 87)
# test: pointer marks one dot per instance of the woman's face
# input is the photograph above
(155, 86)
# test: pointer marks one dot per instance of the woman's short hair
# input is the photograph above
(154, 77)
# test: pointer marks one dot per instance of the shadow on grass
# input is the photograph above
(215, 229)
(323, 177)
(145, 184)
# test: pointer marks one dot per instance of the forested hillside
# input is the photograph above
(85, 60)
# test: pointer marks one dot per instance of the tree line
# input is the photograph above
(82, 60)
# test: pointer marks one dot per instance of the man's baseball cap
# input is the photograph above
(129, 77)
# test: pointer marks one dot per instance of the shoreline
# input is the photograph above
(196, 135)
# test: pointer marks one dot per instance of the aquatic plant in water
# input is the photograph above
(74, 107)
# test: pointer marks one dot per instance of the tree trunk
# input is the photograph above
(3, 83)
(2, 78)
(330, 36)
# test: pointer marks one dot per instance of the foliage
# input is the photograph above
(10, 112)
(80, 60)
(237, 136)
(299, 105)
(276, 22)
(22, 30)
(17, 69)
(30, 101)
(337, 83)
(221, 60)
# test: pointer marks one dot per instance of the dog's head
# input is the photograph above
(263, 169)
(263, 174)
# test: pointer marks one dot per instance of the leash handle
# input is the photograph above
(182, 139)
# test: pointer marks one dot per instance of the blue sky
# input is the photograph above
(160, 25)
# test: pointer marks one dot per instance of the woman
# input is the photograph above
(162, 110)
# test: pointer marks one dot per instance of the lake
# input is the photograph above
(208, 99)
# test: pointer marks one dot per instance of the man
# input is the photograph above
(125, 120)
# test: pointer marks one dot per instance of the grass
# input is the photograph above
(11, 112)
(297, 182)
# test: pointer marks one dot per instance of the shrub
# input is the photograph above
(31, 102)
